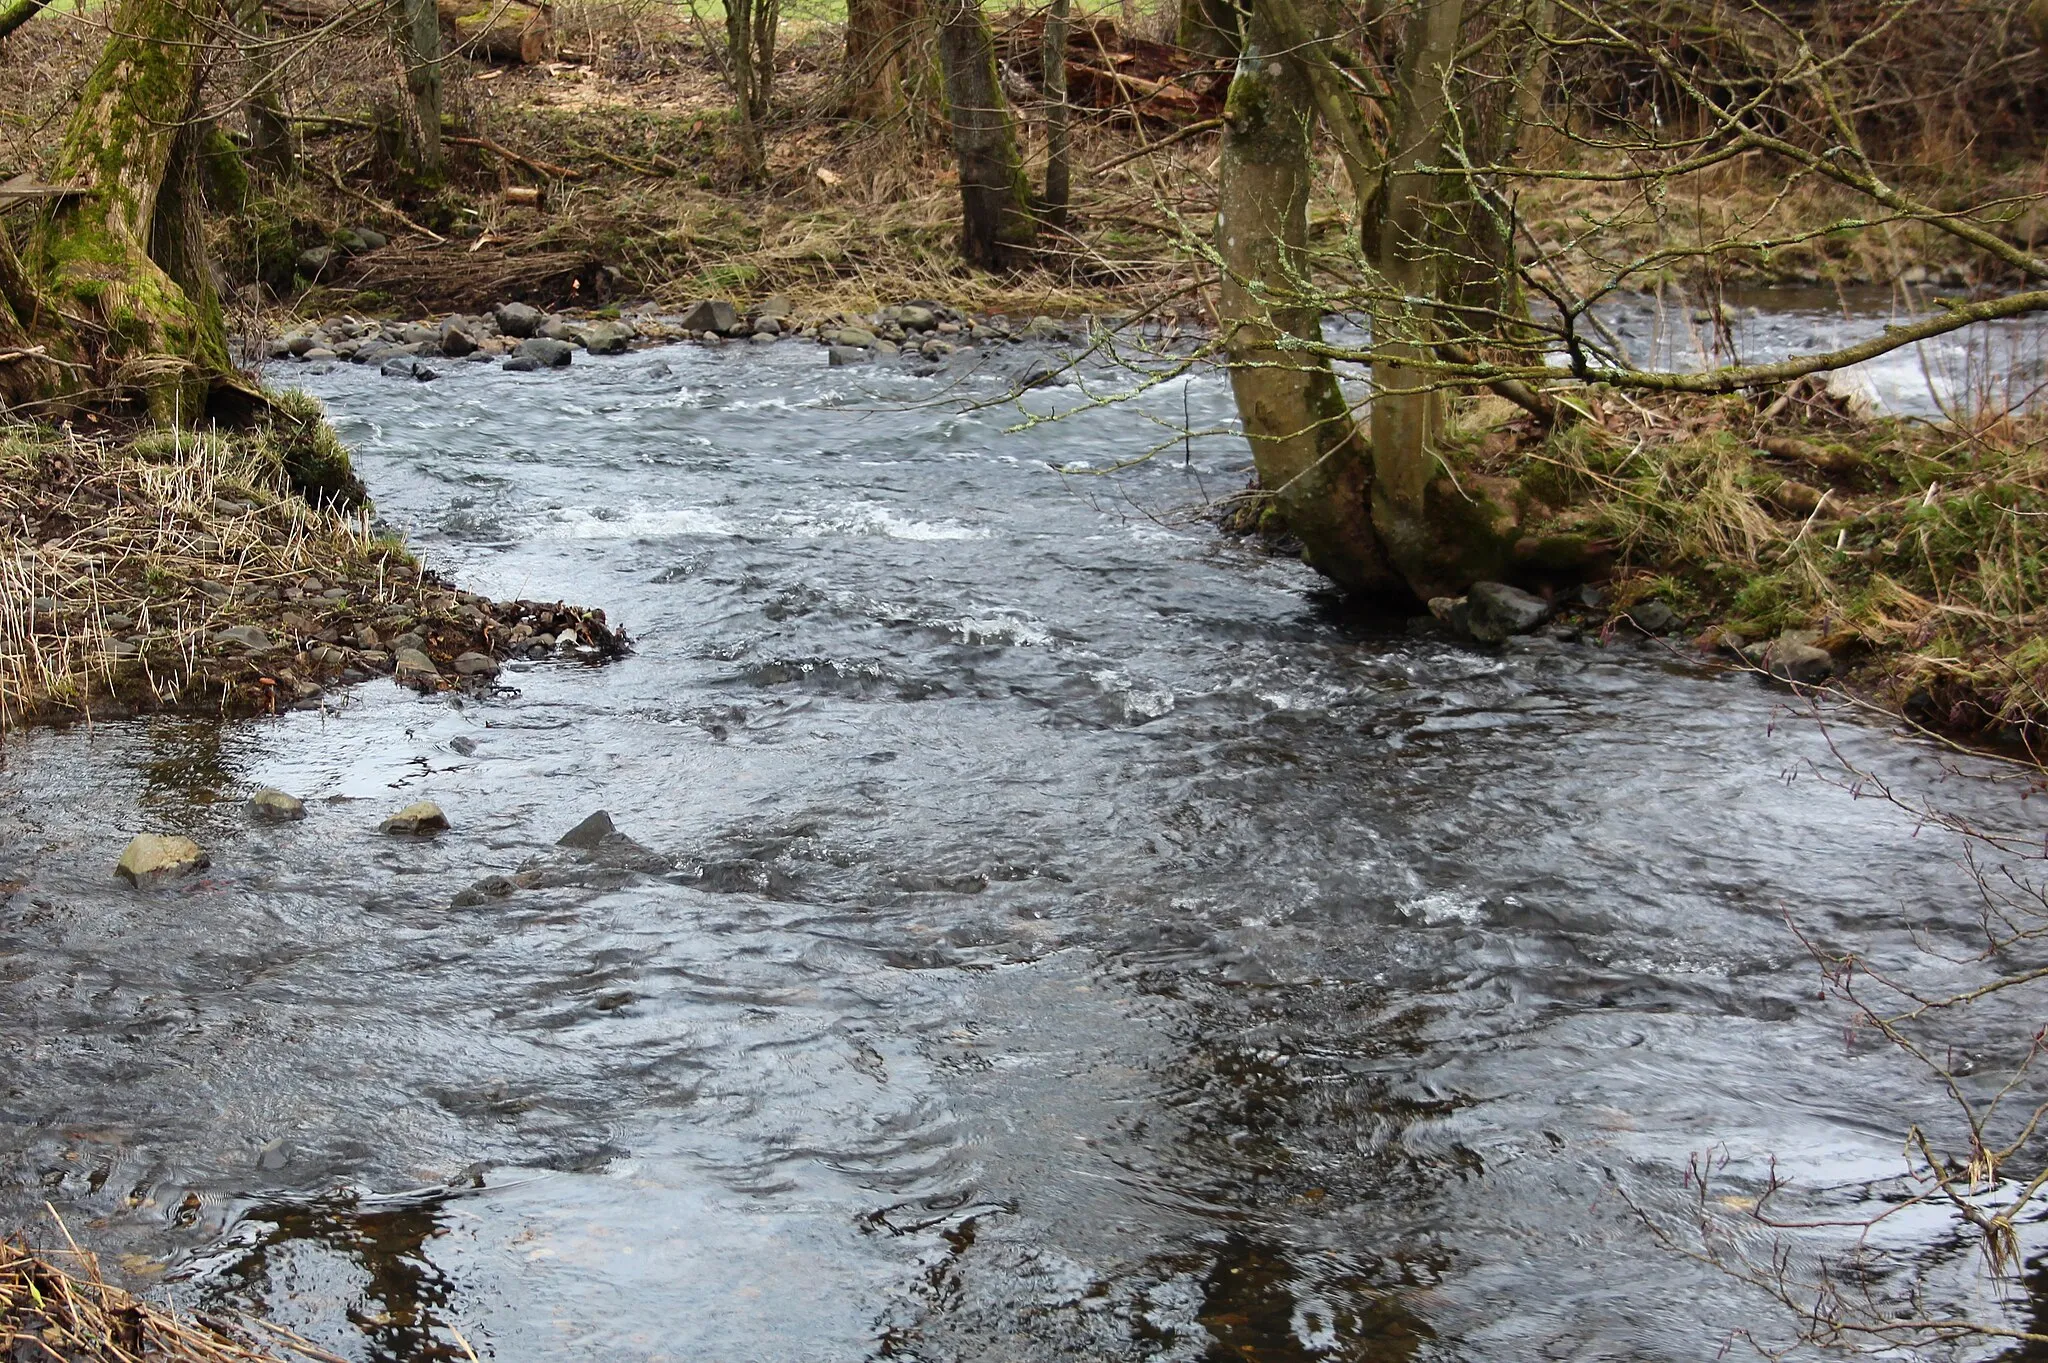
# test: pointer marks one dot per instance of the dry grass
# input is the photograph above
(1926, 565)
(122, 558)
(73, 1315)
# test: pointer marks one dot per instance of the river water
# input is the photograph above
(1049, 931)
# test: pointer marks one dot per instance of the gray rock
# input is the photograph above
(546, 352)
(456, 341)
(517, 319)
(483, 892)
(1791, 658)
(372, 239)
(853, 336)
(846, 354)
(761, 338)
(320, 352)
(276, 806)
(590, 834)
(408, 367)
(522, 364)
(710, 314)
(409, 639)
(913, 318)
(769, 327)
(775, 305)
(421, 818)
(1494, 611)
(1044, 329)
(476, 665)
(154, 856)
(608, 338)
(248, 637)
(316, 261)
(377, 352)
(561, 329)
(1653, 617)
(411, 664)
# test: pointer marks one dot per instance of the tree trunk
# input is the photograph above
(877, 33)
(19, 12)
(271, 145)
(1441, 535)
(767, 18)
(739, 65)
(1311, 457)
(1058, 155)
(1213, 28)
(120, 293)
(419, 40)
(997, 227)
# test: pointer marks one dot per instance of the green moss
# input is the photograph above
(298, 442)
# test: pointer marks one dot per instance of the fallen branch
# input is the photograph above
(538, 167)
(1191, 130)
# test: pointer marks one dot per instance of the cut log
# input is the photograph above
(511, 32)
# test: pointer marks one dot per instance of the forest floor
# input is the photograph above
(1914, 553)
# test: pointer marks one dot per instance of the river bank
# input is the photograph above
(229, 573)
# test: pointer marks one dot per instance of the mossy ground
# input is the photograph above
(1917, 551)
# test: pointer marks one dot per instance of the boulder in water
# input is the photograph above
(154, 856)
(417, 819)
(710, 314)
(1494, 610)
(275, 806)
(590, 834)
(546, 352)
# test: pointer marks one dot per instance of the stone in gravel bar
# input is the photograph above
(412, 663)
(276, 806)
(521, 364)
(853, 336)
(249, 637)
(546, 351)
(421, 818)
(476, 665)
(608, 338)
(518, 319)
(153, 856)
(456, 342)
(846, 354)
(710, 314)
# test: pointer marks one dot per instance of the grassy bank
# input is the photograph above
(1915, 553)
(238, 573)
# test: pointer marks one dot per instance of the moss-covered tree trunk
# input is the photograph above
(997, 227)
(113, 285)
(1058, 149)
(1310, 455)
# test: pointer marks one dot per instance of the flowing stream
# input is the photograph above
(1051, 930)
